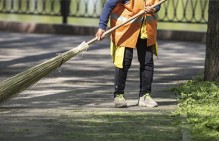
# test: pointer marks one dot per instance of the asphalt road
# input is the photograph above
(85, 83)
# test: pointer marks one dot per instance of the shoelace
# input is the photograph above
(120, 96)
(148, 97)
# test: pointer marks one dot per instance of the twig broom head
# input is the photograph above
(20, 82)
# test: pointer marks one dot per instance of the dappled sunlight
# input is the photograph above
(80, 125)
(78, 96)
(92, 71)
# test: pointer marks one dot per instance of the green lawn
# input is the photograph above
(94, 22)
(199, 104)
(122, 126)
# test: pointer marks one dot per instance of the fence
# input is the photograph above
(180, 11)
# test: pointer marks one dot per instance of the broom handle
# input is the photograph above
(130, 19)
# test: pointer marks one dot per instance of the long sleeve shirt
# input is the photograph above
(107, 9)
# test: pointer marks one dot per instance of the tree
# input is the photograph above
(211, 72)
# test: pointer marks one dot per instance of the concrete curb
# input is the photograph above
(91, 30)
(47, 28)
(190, 36)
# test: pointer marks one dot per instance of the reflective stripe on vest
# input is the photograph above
(123, 19)
(137, 20)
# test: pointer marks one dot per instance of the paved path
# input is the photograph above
(85, 83)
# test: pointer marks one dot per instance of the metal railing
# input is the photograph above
(180, 11)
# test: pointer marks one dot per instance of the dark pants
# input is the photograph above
(145, 58)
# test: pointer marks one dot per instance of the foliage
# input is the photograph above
(199, 104)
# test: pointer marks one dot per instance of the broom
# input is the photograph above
(20, 82)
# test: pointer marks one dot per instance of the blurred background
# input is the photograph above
(183, 15)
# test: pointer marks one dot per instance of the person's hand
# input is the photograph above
(100, 34)
(149, 10)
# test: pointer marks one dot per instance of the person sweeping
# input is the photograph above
(140, 34)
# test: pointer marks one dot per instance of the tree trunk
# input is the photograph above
(211, 72)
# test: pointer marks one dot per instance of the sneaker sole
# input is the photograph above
(120, 105)
(150, 106)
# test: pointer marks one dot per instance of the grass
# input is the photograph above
(70, 125)
(122, 126)
(21, 131)
(199, 103)
(94, 22)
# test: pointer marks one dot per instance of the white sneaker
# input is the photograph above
(119, 101)
(147, 101)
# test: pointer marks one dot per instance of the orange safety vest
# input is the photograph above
(127, 35)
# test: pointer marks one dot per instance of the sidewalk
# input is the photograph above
(84, 84)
